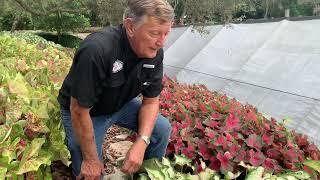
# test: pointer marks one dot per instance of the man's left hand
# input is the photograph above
(134, 157)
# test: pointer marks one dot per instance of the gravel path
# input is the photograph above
(62, 172)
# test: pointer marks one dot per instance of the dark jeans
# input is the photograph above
(126, 117)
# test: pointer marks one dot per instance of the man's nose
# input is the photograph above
(161, 40)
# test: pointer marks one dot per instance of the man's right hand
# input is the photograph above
(91, 170)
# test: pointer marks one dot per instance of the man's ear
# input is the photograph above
(128, 24)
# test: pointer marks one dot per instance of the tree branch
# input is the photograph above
(48, 12)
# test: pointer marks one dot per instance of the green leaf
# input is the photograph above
(18, 87)
(313, 164)
(3, 172)
(34, 163)
(29, 160)
(143, 176)
(5, 131)
(182, 160)
(58, 147)
(155, 173)
(207, 174)
(256, 173)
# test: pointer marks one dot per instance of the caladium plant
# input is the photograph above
(31, 135)
(210, 127)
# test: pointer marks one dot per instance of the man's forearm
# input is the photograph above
(82, 125)
(147, 117)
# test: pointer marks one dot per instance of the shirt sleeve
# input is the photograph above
(85, 76)
(155, 88)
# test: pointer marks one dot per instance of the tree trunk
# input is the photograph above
(287, 13)
(15, 23)
(266, 10)
(181, 19)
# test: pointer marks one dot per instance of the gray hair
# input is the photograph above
(138, 9)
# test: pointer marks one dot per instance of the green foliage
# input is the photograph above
(31, 135)
(65, 40)
(177, 169)
(61, 22)
(313, 164)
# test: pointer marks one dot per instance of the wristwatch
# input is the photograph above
(146, 139)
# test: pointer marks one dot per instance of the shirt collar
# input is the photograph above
(126, 45)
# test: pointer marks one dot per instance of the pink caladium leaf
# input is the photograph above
(220, 140)
(203, 108)
(199, 125)
(213, 124)
(251, 116)
(234, 149)
(242, 156)
(215, 116)
(225, 162)
(210, 133)
(228, 136)
(267, 139)
(270, 165)
(256, 158)
(254, 141)
(232, 122)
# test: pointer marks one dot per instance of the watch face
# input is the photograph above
(146, 139)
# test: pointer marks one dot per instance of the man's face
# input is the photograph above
(148, 37)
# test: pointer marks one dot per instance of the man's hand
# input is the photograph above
(91, 170)
(134, 157)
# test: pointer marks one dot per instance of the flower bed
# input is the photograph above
(221, 132)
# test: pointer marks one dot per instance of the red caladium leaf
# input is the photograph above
(189, 151)
(291, 166)
(204, 151)
(269, 164)
(210, 133)
(232, 122)
(225, 164)
(267, 139)
(178, 145)
(214, 163)
(274, 154)
(256, 158)
(254, 141)
(291, 155)
(175, 128)
(301, 140)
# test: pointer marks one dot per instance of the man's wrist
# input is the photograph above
(145, 139)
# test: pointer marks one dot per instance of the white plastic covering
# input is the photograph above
(274, 66)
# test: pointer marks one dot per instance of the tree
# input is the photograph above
(111, 11)
(57, 15)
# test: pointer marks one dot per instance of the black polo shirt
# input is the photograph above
(106, 73)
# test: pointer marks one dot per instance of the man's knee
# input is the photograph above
(163, 126)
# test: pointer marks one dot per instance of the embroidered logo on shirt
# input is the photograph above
(150, 66)
(117, 66)
(146, 83)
